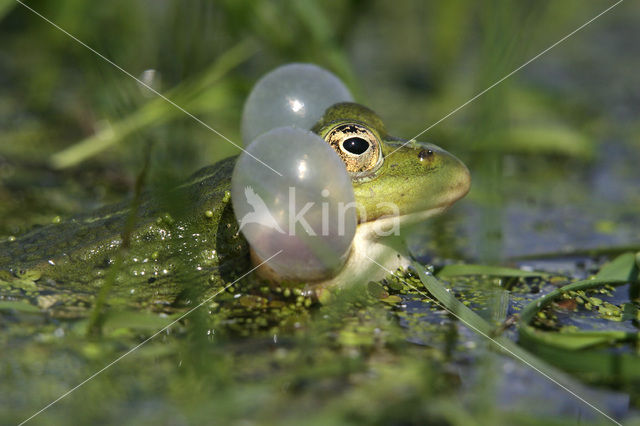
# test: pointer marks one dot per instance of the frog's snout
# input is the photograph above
(453, 174)
(460, 176)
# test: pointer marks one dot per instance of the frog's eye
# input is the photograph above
(357, 146)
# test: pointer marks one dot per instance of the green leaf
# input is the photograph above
(572, 350)
(572, 341)
(621, 268)
(192, 96)
(598, 251)
(500, 271)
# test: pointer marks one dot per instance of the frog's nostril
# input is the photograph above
(425, 153)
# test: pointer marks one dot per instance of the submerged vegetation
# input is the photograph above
(554, 201)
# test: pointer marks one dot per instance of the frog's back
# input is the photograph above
(50, 242)
(193, 222)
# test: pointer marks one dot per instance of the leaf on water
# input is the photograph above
(449, 301)
(582, 339)
(392, 300)
(469, 269)
(598, 251)
(623, 268)
(376, 290)
(576, 350)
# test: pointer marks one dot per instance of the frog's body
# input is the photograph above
(199, 242)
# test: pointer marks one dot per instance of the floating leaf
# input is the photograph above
(376, 290)
(598, 251)
(499, 271)
(573, 350)
(393, 299)
(621, 268)
(581, 339)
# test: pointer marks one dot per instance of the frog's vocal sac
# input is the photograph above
(192, 233)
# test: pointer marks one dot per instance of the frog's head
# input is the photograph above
(395, 183)
(393, 180)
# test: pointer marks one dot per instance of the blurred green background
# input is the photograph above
(553, 153)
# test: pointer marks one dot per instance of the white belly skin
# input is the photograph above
(371, 259)
(373, 255)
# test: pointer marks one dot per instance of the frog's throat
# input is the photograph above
(374, 254)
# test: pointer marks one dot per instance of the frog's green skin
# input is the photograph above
(196, 243)
(199, 242)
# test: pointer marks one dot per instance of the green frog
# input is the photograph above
(190, 234)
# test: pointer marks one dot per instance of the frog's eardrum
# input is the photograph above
(291, 95)
(308, 212)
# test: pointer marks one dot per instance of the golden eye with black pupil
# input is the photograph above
(357, 146)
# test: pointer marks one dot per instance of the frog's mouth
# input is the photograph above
(387, 226)
(443, 181)
(383, 226)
